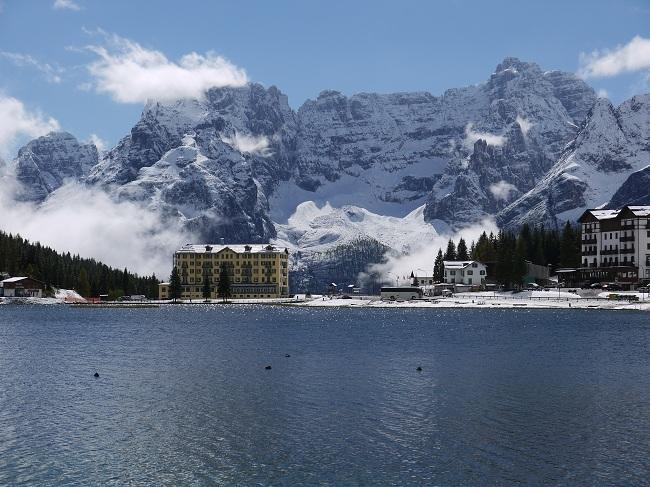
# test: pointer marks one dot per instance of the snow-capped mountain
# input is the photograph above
(239, 163)
(513, 130)
(210, 163)
(45, 163)
(612, 144)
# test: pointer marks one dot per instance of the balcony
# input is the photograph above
(588, 253)
(609, 252)
(589, 240)
(627, 239)
(628, 251)
(629, 226)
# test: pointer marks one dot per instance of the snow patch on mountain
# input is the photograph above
(313, 228)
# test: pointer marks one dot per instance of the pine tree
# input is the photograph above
(438, 267)
(519, 267)
(207, 287)
(223, 288)
(175, 288)
(569, 251)
(461, 251)
(450, 254)
(83, 286)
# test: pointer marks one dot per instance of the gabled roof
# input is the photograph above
(14, 279)
(458, 264)
(639, 210)
(626, 211)
(18, 279)
(598, 215)
(237, 248)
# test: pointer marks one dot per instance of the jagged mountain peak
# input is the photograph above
(594, 168)
(45, 163)
(515, 65)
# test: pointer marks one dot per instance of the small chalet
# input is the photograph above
(21, 287)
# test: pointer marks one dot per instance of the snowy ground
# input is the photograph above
(531, 299)
(60, 296)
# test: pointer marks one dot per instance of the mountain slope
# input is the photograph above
(612, 143)
(209, 163)
(45, 163)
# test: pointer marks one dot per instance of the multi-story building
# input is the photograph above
(254, 271)
(466, 272)
(616, 244)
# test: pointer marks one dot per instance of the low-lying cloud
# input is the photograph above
(502, 190)
(249, 144)
(88, 222)
(471, 136)
(17, 121)
(421, 258)
(524, 124)
(630, 57)
(131, 73)
(98, 142)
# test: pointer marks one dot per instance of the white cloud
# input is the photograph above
(17, 121)
(424, 255)
(121, 234)
(249, 144)
(52, 74)
(502, 190)
(65, 5)
(524, 124)
(633, 56)
(98, 142)
(602, 93)
(131, 73)
(471, 136)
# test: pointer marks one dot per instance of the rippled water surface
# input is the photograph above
(505, 396)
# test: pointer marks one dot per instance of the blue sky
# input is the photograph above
(302, 47)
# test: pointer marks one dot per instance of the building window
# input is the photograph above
(482, 273)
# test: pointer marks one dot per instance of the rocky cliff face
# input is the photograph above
(210, 163)
(524, 120)
(634, 191)
(612, 144)
(45, 163)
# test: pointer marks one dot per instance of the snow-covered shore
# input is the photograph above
(526, 300)
(61, 296)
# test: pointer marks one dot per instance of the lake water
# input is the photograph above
(537, 397)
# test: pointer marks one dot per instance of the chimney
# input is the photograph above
(222, 241)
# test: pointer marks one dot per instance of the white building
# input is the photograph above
(617, 242)
(466, 272)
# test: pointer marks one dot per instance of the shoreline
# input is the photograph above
(460, 301)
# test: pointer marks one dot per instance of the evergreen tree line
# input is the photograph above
(507, 252)
(20, 257)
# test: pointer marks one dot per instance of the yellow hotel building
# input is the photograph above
(255, 271)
